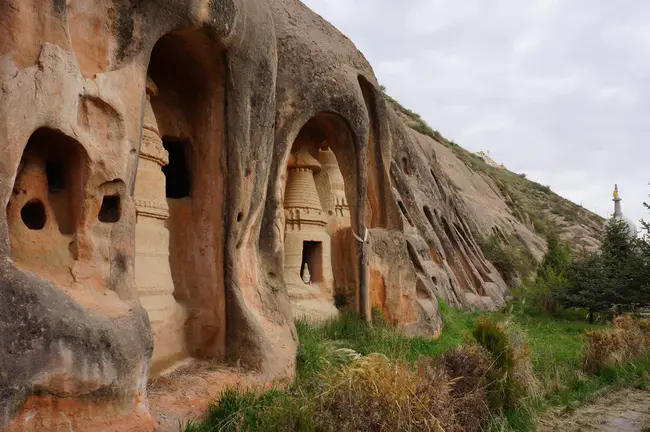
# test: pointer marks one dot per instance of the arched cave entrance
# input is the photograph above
(179, 199)
(319, 204)
(45, 208)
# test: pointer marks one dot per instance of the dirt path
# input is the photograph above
(186, 393)
(621, 411)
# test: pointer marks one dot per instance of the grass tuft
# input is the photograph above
(489, 371)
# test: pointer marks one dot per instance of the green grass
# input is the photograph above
(325, 344)
(556, 347)
(273, 410)
(556, 344)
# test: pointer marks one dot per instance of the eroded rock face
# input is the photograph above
(168, 169)
(75, 341)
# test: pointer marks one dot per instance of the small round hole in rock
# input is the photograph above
(110, 210)
(33, 215)
(240, 216)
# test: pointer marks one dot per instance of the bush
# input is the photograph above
(551, 281)
(511, 381)
(545, 227)
(468, 368)
(512, 259)
(628, 340)
(374, 393)
(543, 292)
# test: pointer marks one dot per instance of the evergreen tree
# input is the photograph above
(645, 226)
(615, 276)
(644, 245)
(557, 258)
(586, 288)
(621, 261)
(551, 274)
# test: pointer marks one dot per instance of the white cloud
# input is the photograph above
(557, 89)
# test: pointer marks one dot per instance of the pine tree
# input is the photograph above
(621, 260)
(586, 288)
(644, 246)
(645, 226)
(617, 275)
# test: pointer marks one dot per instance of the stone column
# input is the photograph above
(152, 268)
(306, 221)
(330, 165)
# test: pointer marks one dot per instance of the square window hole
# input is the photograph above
(312, 256)
(111, 209)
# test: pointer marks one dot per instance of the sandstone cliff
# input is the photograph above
(170, 169)
(500, 202)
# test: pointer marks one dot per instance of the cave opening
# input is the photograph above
(33, 215)
(312, 257)
(179, 195)
(110, 210)
(318, 207)
(55, 173)
(46, 205)
(177, 174)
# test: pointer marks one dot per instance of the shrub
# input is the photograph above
(512, 260)
(511, 381)
(423, 128)
(545, 227)
(468, 368)
(538, 295)
(644, 327)
(373, 393)
(628, 340)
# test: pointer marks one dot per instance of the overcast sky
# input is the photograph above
(556, 89)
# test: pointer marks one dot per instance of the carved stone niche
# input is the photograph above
(45, 207)
(307, 243)
(152, 258)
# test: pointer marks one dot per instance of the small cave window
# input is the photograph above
(312, 256)
(413, 255)
(177, 175)
(400, 204)
(111, 209)
(55, 176)
(33, 215)
(429, 216)
(405, 166)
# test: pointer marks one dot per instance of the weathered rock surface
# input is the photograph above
(278, 152)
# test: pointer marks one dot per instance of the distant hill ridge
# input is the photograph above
(534, 206)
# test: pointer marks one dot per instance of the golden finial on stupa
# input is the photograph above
(616, 197)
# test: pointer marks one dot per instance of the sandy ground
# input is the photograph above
(621, 411)
(187, 392)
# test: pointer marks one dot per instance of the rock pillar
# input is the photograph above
(330, 165)
(307, 241)
(152, 268)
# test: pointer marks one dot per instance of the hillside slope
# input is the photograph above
(503, 203)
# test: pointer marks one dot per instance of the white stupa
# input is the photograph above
(618, 213)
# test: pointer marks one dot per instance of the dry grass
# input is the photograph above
(371, 378)
(468, 367)
(375, 394)
(629, 339)
(463, 390)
